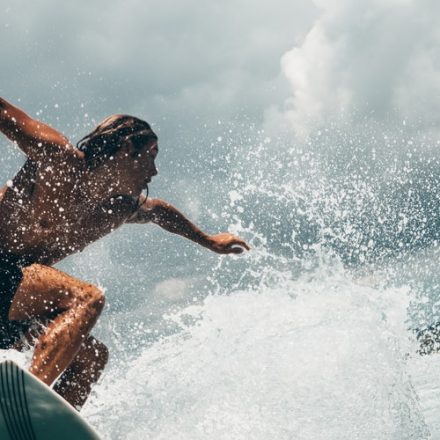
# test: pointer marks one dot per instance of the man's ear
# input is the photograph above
(126, 146)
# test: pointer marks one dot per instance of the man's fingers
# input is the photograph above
(241, 243)
(245, 245)
(236, 247)
(230, 244)
(236, 250)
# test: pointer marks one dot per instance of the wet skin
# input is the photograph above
(55, 206)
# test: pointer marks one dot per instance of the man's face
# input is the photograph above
(144, 167)
(134, 166)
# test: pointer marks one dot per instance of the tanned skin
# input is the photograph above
(56, 207)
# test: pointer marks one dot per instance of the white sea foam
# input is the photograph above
(317, 357)
(21, 358)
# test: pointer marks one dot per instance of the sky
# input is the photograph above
(287, 65)
(373, 59)
(214, 78)
(168, 61)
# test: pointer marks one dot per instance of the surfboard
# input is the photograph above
(30, 410)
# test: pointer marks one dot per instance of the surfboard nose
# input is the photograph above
(30, 410)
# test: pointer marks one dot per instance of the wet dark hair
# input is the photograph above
(106, 139)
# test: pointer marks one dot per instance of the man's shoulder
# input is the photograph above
(122, 204)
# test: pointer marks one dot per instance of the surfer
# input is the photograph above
(62, 199)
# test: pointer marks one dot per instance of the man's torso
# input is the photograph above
(50, 211)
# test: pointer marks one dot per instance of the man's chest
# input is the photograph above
(59, 223)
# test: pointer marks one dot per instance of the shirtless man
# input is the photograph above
(63, 198)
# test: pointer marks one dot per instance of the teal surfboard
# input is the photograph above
(30, 410)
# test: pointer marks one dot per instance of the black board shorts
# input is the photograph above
(10, 278)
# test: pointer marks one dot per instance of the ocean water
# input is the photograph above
(321, 356)
(312, 334)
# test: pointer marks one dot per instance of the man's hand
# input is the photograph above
(227, 244)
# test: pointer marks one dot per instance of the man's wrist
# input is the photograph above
(205, 240)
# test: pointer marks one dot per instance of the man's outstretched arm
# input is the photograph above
(172, 220)
(33, 137)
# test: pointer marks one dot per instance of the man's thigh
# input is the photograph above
(45, 292)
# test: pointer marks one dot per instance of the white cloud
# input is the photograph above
(366, 59)
(193, 57)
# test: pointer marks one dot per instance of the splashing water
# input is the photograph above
(309, 336)
(318, 357)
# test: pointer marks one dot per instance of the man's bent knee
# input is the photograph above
(45, 291)
(92, 298)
